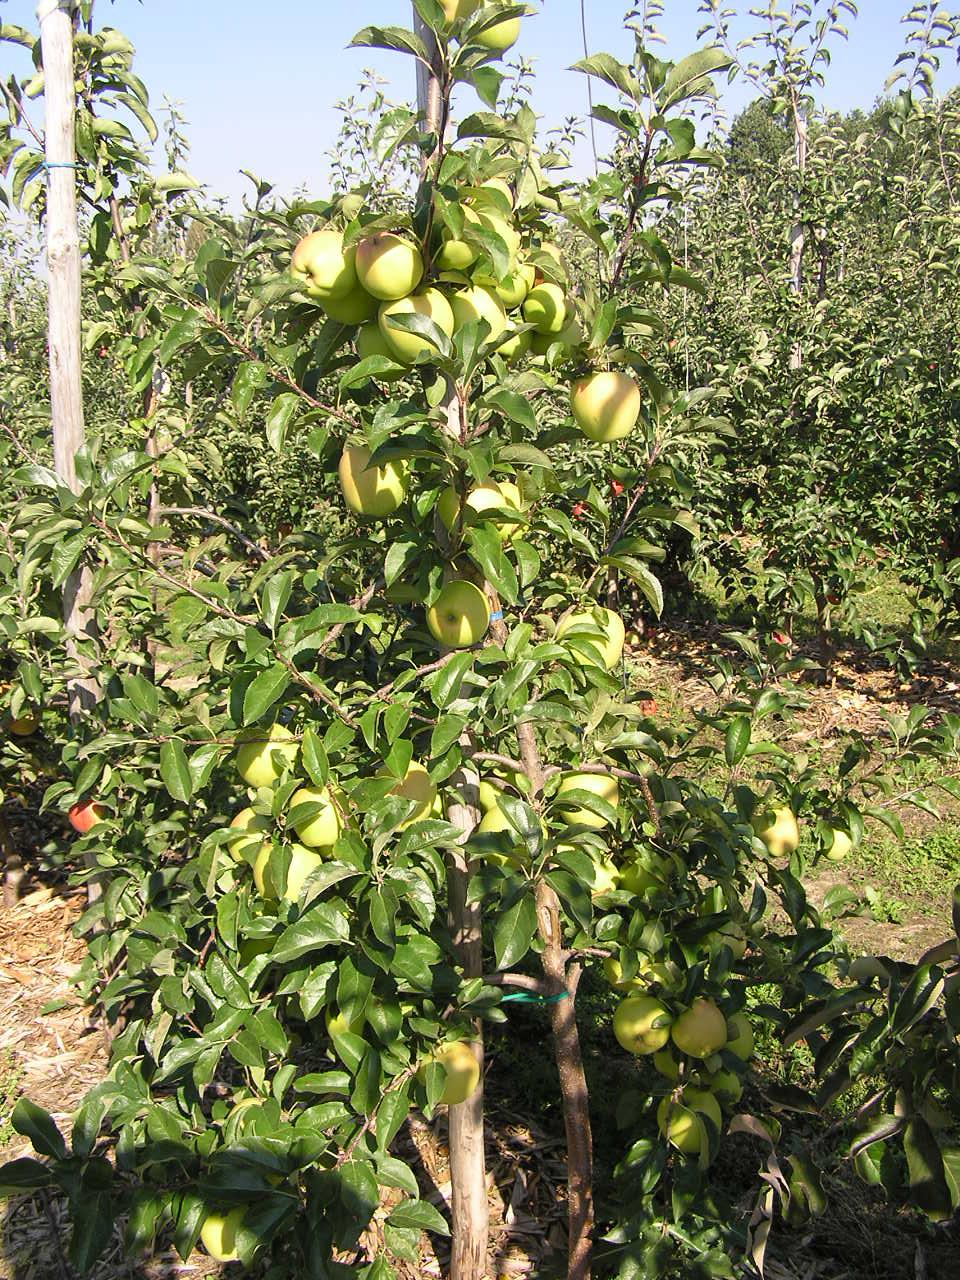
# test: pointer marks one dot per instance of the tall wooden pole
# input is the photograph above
(63, 306)
(468, 1181)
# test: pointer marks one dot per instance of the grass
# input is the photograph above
(11, 1077)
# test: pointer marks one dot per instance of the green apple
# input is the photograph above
(249, 839)
(460, 615)
(606, 875)
(701, 1030)
(501, 36)
(489, 794)
(545, 308)
(406, 346)
(782, 836)
(262, 754)
(323, 829)
(603, 785)
(599, 618)
(323, 267)
(417, 785)
(388, 266)
(840, 845)
(371, 342)
(461, 1071)
(478, 303)
(355, 307)
(218, 1235)
(680, 1124)
(303, 862)
(24, 726)
(642, 1024)
(730, 935)
(740, 1040)
(371, 491)
(606, 406)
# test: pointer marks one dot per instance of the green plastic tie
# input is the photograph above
(527, 997)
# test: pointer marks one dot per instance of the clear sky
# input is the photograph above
(258, 80)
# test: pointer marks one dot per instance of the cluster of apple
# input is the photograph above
(713, 1051)
(782, 836)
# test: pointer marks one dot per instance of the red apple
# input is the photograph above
(86, 814)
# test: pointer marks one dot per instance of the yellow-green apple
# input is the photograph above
(485, 497)
(606, 876)
(501, 185)
(495, 822)
(515, 345)
(606, 406)
(250, 827)
(613, 971)
(417, 785)
(23, 726)
(85, 815)
(782, 836)
(730, 935)
(338, 1024)
(646, 871)
(323, 829)
(262, 754)
(323, 267)
(407, 346)
(501, 36)
(642, 1024)
(545, 307)
(303, 862)
(218, 1235)
(457, 10)
(666, 1063)
(460, 615)
(680, 1123)
(388, 266)
(371, 491)
(740, 1037)
(603, 785)
(371, 342)
(501, 228)
(478, 303)
(840, 845)
(461, 1071)
(355, 307)
(701, 1030)
(608, 623)
(489, 794)
(513, 288)
(455, 254)
(725, 1085)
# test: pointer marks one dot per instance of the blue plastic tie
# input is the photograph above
(59, 164)
(525, 997)
(495, 617)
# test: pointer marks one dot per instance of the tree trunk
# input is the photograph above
(468, 1178)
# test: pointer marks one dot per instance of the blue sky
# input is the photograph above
(258, 82)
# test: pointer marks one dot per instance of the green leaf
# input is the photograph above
(445, 684)
(928, 1183)
(421, 1214)
(514, 932)
(18, 1176)
(314, 758)
(737, 740)
(605, 67)
(321, 926)
(514, 407)
(276, 596)
(39, 1126)
(279, 417)
(264, 691)
(690, 76)
(488, 554)
(396, 39)
(175, 771)
(92, 1212)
